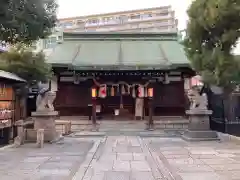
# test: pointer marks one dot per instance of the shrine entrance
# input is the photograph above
(120, 100)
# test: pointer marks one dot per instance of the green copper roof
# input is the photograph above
(110, 51)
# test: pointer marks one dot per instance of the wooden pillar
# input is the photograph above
(150, 116)
(94, 117)
(94, 103)
(150, 109)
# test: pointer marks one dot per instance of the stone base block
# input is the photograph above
(46, 120)
(31, 136)
(200, 135)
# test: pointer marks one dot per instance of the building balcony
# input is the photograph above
(126, 21)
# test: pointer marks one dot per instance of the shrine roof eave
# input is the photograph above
(121, 68)
(123, 54)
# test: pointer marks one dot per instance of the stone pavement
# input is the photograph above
(123, 158)
(53, 162)
(197, 160)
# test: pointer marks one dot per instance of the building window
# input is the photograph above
(135, 16)
(67, 24)
(80, 22)
(93, 21)
(123, 19)
(162, 13)
(143, 16)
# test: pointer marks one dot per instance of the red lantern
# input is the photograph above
(140, 91)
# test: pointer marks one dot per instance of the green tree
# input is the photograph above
(212, 32)
(26, 20)
(25, 63)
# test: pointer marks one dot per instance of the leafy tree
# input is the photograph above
(212, 32)
(25, 63)
(26, 20)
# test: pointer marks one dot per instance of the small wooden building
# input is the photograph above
(121, 67)
(9, 105)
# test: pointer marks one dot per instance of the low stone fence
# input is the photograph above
(63, 126)
(27, 133)
(228, 138)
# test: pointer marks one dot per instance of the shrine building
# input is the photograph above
(121, 71)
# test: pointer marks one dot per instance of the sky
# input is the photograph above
(70, 8)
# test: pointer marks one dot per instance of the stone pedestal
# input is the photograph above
(40, 138)
(46, 120)
(199, 127)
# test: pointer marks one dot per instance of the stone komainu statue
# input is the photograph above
(45, 99)
(197, 101)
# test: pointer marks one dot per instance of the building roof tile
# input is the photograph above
(119, 51)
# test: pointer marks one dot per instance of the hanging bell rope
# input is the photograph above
(112, 91)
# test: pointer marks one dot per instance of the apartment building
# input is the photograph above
(158, 19)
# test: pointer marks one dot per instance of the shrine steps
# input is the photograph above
(127, 126)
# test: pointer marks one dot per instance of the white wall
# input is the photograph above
(237, 49)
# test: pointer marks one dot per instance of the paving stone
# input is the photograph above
(140, 166)
(139, 157)
(125, 156)
(183, 161)
(227, 167)
(205, 152)
(170, 152)
(35, 159)
(199, 176)
(137, 175)
(100, 166)
(229, 175)
(219, 161)
(135, 149)
(194, 168)
(99, 176)
(121, 166)
(121, 149)
(54, 165)
(117, 176)
(52, 172)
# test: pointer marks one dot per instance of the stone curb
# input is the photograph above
(228, 137)
(162, 166)
(79, 175)
(7, 147)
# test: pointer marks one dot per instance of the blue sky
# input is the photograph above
(69, 8)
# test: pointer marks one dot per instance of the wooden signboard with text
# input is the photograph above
(6, 93)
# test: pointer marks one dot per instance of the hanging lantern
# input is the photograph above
(112, 91)
(94, 92)
(150, 92)
(102, 91)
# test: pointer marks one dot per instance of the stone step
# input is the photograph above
(127, 133)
